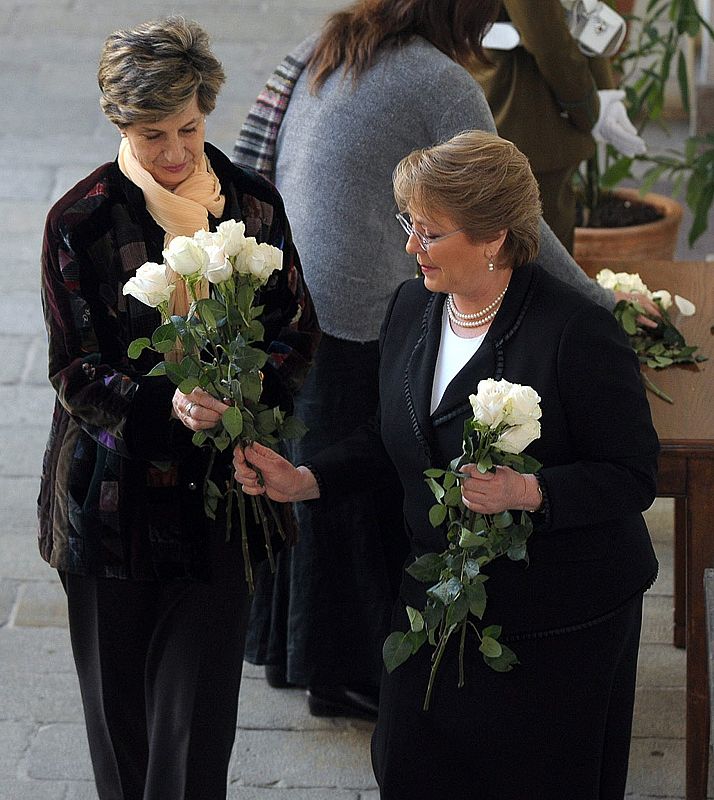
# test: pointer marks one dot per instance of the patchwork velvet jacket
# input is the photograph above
(590, 551)
(121, 488)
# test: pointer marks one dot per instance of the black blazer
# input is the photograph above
(591, 550)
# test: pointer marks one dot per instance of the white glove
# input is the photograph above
(614, 126)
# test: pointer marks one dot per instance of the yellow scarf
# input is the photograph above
(180, 212)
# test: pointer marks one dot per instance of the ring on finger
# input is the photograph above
(189, 408)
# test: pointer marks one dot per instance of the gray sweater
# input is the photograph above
(335, 155)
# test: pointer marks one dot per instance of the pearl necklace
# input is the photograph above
(477, 319)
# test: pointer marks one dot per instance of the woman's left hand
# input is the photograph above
(493, 492)
(198, 410)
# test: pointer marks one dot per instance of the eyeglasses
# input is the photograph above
(425, 242)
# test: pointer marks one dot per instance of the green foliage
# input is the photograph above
(653, 50)
(658, 347)
(218, 347)
(457, 597)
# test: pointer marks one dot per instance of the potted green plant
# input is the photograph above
(653, 51)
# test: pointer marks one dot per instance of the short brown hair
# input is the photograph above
(155, 69)
(350, 38)
(482, 183)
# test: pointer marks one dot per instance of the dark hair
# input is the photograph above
(351, 37)
(155, 70)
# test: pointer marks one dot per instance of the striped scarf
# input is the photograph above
(255, 145)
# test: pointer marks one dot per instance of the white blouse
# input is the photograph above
(454, 354)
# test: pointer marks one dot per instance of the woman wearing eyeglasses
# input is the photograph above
(558, 725)
(382, 79)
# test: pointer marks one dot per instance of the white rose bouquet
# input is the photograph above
(212, 348)
(505, 421)
(658, 347)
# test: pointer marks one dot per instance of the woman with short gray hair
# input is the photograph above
(157, 597)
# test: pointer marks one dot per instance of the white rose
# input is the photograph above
(219, 268)
(686, 307)
(622, 281)
(522, 405)
(185, 256)
(606, 279)
(233, 236)
(207, 239)
(518, 437)
(489, 402)
(258, 260)
(150, 285)
(664, 297)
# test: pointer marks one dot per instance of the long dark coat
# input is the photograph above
(121, 488)
(589, 555)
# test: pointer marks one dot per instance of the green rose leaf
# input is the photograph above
(453, 496)
(504, 662)
(137, 347)
(457, 610)
(233, 421)
(476, 595)
(251, 387)
(471, 568)
(445, 591)
(396, 650)
(174, 373)
(164, 337)
(222, 441)
(436, 488)
(416, 620)
(437, 515)
(490, 647)
(470, 539)
(188, 385)
(503, 520)
(157, 369)
(426, 568)
(199, 438)
(434, 473)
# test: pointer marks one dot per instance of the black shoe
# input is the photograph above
(276, 677)
(342, 701)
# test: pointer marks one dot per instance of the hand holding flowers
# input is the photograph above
(211, 350)
(479, 528)
(658, 344)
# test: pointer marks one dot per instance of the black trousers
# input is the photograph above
(555, 728)
(159, 666)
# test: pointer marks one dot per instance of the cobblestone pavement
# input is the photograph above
(53, 133)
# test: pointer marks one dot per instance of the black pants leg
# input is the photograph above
(159, 666)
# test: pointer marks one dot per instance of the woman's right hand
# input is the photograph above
(280, 480)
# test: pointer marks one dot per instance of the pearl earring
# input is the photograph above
(491, 265)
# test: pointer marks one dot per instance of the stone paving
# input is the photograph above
(53, 134)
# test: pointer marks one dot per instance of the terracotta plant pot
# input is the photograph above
(654, 240)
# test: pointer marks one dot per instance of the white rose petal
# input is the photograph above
(489, 402)
(522, 405)
(606, 278)
(686, 307)
(664, 297)
(233, 236)
(150, 285)
(219, 268)
(258, 260)
(516, 438)
(186, 257)
(207, 239)
(622, 281)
